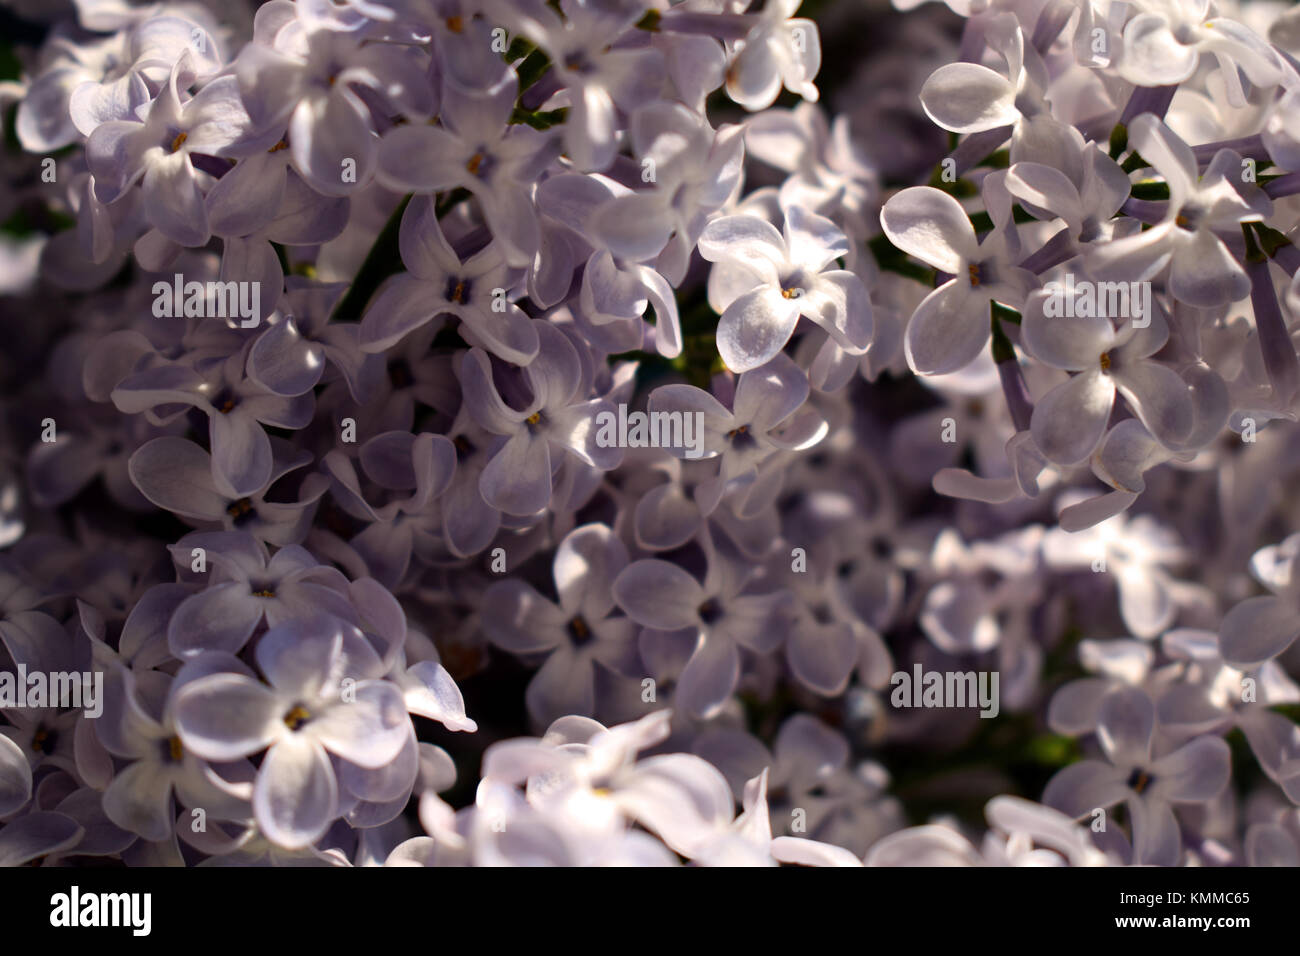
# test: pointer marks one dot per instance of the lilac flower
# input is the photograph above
(291, 356)
(788, 278)
(176, 475)
(768, 415)
(315, 81)
(518, 478)
(1135, 553)
(1202, 272)
(85, 84)
(582, 770)
(319, 701)
(38, 835)
(156, 151)
(696, 169)
(951, 327)
(248, 589)
(717, 615)
(830, 174)
(1163, 43)
(1085, 195)
(475, 149)
(1069, 421)
(440, 283)
(578, 633)
(780, 49)
(15, 777)
(581, 39)
(140, 798)
(242, 461)
(397, 461)
(1148, 785)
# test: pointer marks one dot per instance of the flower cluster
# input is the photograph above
(600, 432)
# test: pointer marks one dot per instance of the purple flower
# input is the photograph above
(247, 589)
(156, 151)
(578, 633)
(518, 478)
(320, 699)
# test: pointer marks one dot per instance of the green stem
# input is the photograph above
(1003, 350)
(383, 259)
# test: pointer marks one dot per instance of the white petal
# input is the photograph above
(1069, 421)
(932, 226)
(969, 98)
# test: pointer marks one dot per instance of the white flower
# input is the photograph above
(951, 326)
(783, 277)
(1069, 421)
(1202, 272)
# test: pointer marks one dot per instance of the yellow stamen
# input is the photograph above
(534, 418)
(179, 140)
(474, 163)
(175, 749)
(1105, 361)
(295, 718)
(455, 24)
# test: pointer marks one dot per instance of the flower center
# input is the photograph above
(791, 293)
(455, 24)
(400, 375)
(297, 717)
(578, 63)
(741, 438)
(1189, 217)
(1139, 780)
(710, 611)
(225, 401)
(457, 291)
(534, 418)
(179, 141)
(239, 509)
(579, 632)
(974, 272)
(1104, 361)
